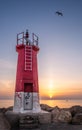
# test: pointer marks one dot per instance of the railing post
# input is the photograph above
(17, 39)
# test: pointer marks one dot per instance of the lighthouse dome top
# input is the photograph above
(23, 38)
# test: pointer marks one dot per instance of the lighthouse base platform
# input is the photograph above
(28, 120)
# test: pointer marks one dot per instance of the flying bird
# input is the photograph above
(59, 13)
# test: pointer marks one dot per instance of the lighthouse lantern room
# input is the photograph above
(26, 97)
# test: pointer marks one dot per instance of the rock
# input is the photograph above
(77, 119)
(3, 110)
(4, 124)
(55, 114)
(55, 109)
(75, 109)
(13, 118)
(65, 116)
(9, 108)
(59, 115)
(46, 107)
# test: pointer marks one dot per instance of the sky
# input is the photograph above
(60, 42)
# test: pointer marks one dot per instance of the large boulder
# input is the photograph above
(46, 107)
(77, 119)
(59, 115)
(65, 116)
(4, 124)
(55, 114)
(75, 109)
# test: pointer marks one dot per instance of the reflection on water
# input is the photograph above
(52, 103)
(61, 103)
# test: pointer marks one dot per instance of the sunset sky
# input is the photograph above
(60, 41)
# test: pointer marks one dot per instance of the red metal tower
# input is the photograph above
(27, 90)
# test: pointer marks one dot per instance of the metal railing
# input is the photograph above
(21, 39)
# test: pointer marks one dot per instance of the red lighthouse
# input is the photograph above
(26, 97)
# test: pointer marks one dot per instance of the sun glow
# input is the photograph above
(51, 88)
(51, 96)
(51, 84)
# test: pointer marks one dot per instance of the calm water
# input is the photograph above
(60, 103)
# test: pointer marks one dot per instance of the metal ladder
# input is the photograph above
(28, 57)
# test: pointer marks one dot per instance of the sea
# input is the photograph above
(52, 103)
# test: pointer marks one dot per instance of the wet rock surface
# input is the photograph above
(60, 126)
(55, 126)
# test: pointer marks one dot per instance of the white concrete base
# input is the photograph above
(26, 102)
(43, 116)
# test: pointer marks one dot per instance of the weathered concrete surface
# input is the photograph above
(4, 124)
(21, 120)
(43, 116)
(28, 121)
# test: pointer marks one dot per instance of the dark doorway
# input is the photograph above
(28, 87)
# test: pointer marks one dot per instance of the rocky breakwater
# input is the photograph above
(72, 115)
(57, 114)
